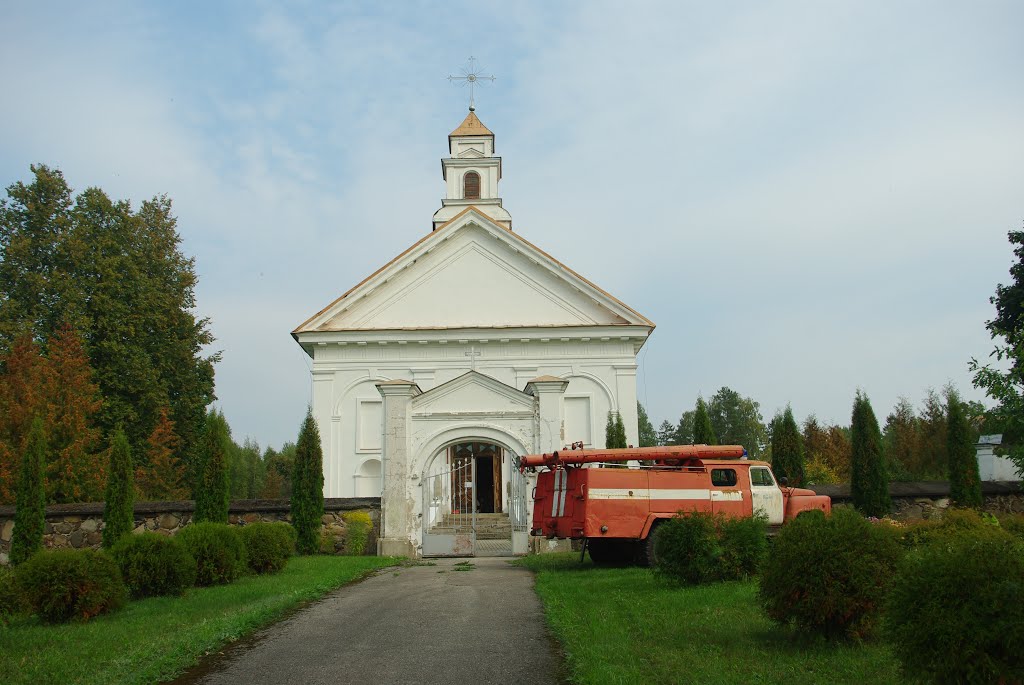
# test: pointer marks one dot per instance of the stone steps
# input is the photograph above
(488, 526)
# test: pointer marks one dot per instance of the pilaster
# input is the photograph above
(396, 516)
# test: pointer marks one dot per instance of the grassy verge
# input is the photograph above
(154, 639)
(624, 625)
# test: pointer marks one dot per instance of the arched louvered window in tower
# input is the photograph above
(471, 185)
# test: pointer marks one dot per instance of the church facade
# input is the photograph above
(469, 349)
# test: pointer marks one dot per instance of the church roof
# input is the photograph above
(471, 126)
(320, 320)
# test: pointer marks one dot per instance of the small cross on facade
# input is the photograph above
(473, 354)
(471, 76)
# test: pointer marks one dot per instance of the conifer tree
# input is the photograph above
(614, 431)
(21, 381)
(76, 471)
(119, 503)
(30, 515)
(964, 479)
(308, 487)
(609, 431)
(212, 496)
(703, 432)
(163, 478)
(787, 449)
(869, 481)
(645, 429)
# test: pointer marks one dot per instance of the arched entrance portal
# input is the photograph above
(474, 500)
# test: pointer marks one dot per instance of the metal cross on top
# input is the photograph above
(471, 76)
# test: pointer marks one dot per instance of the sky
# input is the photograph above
(807, 198)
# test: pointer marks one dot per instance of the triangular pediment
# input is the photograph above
(472, 393)
(471, 153)
(473, 273)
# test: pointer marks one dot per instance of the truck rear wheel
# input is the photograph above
(603, 551)
(645, 550)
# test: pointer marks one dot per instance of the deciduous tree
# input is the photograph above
(737, 421)
(1003, 381)
(869, 482)
(119, 278)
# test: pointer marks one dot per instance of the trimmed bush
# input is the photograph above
(744, 543)
(12, 599)
(687, 550)
(357, 532)
(218, 551)
(71, 584)
(153, 565)
(829, 575)
(268, 546)
(956, 612)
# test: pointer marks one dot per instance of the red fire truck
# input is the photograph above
(590, 495)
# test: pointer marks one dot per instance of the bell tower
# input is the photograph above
(471, 173)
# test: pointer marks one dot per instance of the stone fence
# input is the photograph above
(915, 501)
(81, 525)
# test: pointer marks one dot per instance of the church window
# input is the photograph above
(471, 185)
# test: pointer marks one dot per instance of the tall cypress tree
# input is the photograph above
(30, 515)
(212, 496)
(645, 429)
(964, 479)
(787, 449)
(119, 502)
(703, 431)
(869, 481)
(308, 487)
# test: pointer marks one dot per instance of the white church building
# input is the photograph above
(473, 347)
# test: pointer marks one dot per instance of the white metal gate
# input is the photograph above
(450, 517)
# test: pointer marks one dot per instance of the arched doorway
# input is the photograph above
(474, 500)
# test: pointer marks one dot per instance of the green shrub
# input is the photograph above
(12, 598)
(153, 565)
(829, 575)
(268, 546)
(956, 611)
(357, 532)
(953, 523)
(744, 543)
(218, 551)
(1013, 524)
(71, 584)
(687, 549)
(307, 501)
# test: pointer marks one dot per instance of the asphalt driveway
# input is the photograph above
(459, 621)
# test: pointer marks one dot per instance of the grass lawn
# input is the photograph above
(155, 639)
(624, 625)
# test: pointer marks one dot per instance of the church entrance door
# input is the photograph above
(466, 496)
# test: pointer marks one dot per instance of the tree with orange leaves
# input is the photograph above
(59, 389)
(76, 469)
(163, 477)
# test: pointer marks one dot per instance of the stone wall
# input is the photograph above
(928, 499)
(81, 525)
